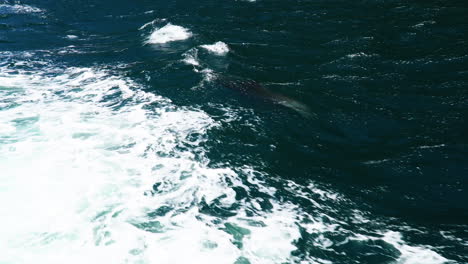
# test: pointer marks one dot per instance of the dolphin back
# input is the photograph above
(255, 89)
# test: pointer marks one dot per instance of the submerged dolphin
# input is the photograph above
(253, 88)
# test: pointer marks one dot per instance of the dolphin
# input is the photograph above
(254, 89)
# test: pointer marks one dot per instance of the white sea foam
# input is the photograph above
(208, 75)
(424, 23)
(409, 254)
(78, 151)
(314, 224)
(218, 48)
(191, 57)
(360, 55)
(168, 33)
(18, 9)
(151, 23)
(412, 254)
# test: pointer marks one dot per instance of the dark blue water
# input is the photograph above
(233, 131)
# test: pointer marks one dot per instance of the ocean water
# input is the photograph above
(236, 132)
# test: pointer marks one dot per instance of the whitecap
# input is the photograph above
(18, 9)
(424, 23)
(360, 55)
(191, 57)
(168, 33)
(218, 48)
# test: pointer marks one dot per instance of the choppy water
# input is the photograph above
(233, 131)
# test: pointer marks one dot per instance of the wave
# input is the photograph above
(100, 171)
(7, 9)
(94, 169)
(168, 33)
(191, 57)
(218, 48)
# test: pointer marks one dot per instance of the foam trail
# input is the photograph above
(96, 171)
(412, 254)
(368, 232)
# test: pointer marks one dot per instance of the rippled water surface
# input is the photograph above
(233, 132)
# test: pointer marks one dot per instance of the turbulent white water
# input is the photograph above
(95, 170)
(168, 33)
(218, 48)
(78, 153)
(191, 57)
(18, 9)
